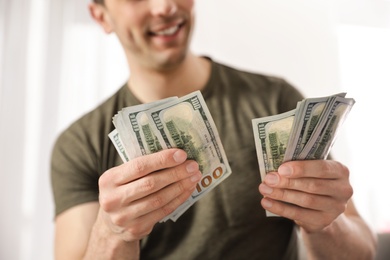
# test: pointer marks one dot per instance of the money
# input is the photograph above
(184, 123)
(134, 136)
(272, 134)
(306, 133)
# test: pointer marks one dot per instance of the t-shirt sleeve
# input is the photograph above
(73, 170)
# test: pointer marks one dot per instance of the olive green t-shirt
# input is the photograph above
(229, 222)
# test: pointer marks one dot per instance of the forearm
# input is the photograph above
(104, 244)
(346, 238)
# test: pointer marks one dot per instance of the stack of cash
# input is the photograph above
(305, 133)
(184, 123)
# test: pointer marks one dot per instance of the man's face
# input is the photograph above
(154, 33)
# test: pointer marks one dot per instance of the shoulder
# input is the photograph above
(100, 116)
(84, 143)
(81, 153)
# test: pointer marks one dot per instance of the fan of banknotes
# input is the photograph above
(184, 123)
(308, 132)
(305, 133)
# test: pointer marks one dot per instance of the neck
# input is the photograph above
(151, 85)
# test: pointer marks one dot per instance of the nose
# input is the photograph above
(163, 7)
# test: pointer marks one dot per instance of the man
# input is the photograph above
(109, 210)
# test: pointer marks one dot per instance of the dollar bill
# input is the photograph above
(305, 133)
(320, 144)
(271, 138)
(185, 123)
(118, 143)
(310, 112)
(134, 131)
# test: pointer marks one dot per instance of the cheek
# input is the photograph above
(187, 4)
(132, 23)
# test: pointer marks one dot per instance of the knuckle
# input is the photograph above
(284, 195)
(104, 179)
(106, 202)
(292, 213)
(308, 201)
(167, 209)
(180, 187)
(349, 191)
(313, 186)
(341, 208)
(117, 219)
(161, 158)
(139, 165)
(176, 174)
(138, 231)
(157, 202)
(326, 168)
(327, 220)
(148, 184)
(346, 171)
(298, 167)
(290, 183)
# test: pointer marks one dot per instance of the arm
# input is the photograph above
(348, 237)
(133, 198)
(318, 196)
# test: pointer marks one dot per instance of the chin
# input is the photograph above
(171, 61)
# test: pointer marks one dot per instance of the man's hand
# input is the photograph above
(136, 195)
(313, 193)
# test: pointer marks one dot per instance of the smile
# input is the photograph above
(168, 31)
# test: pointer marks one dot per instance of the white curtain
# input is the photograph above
(56, 64)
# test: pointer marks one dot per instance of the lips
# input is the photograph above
(167, 31)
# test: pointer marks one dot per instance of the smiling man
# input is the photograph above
(109, 210)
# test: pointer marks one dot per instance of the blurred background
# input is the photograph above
(56, 64)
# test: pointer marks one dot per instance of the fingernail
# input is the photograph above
(266, 189)
(192, 167)
(266, 203)
(180, 156)
(271, 179)
(285, 170)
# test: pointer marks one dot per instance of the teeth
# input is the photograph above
(168, 31)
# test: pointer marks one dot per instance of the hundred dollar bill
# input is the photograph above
(310, 112)
(186, 123)
(271, 138)
(305, 133)
(327, 129)
(116, 140)
(133, 127)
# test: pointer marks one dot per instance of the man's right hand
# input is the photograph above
(136, 195)
(133, 198)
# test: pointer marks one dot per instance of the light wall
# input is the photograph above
(55, 65)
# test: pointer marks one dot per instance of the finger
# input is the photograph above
(307, 185)
(154, 182)
(138, 226)
(143, 225)
(166, 201)
(159, 204)
(325, 169)
(307, 218)
(144, 165)
(302, 199)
